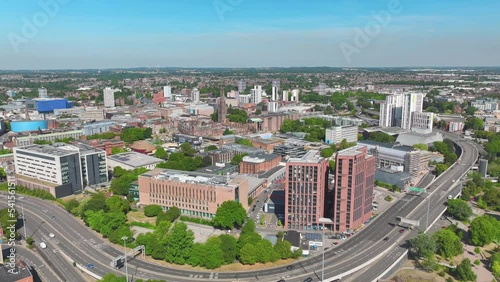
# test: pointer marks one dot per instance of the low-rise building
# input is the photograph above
(97, 127)
(132, 160)
(51, 137)
(336, 134)
(195, 194)
(255, 164)
(105, 144)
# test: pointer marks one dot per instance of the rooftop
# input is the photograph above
(50, 135)
(352, 151)
(190, 177)
(259, 158)
(312, 156)
(134, 159)
(49, 150)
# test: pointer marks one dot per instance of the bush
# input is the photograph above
(477, 262)
(196, 220)
(142, 224)
(477, 250)
(441, 273)
(388, 198)
(152, 210)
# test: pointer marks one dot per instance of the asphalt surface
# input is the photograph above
(439, 190)
(85, 246)
(38, 265)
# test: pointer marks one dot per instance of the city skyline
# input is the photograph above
(57, 34)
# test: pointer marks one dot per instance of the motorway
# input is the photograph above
(439, 190)
(85, 246)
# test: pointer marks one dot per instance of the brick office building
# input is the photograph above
(254, 164)
(305, 191)
(353, 192)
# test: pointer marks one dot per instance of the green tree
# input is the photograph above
(464, 272)
(440, 168)
(229, 248)
(484, 230)
(440, 147)
(344, 144)
(326, 153)
(179, 244)
(448, 243)
(152, 210)
(283, 249)
(72, 206)
(227, 131)
(117, 204)
(211, 148)
(111, 277)
(492, 198)
(459, 209)
(229, 214)
(187, 149)
(495, 263)
(245, 142)
(421, 146)
(474, 123)
(249, 254)
(117, 150)
(161, 153)
(236, 160)
(96, 202)
(470, 110)
(423, 245)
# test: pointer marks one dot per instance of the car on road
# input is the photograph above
(90, 266)
(53, 217)
(402, 230)
(450, 197)
(43, 245)
(386, 239)
(51, 235)
(281, 280)
(290, 267)
(308, 279)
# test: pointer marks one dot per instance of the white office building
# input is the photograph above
(295, 96)
(336, 134)
(60, 169)
(195, 95)
(272, 107)
(109, 97)
(167, 92)
(256, 94)
(285, 95)
(42, 93)
(243, 99)
(397, 109)
(422, 122)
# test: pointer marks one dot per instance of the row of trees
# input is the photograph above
(175, 244)
(328, 152)
(447, 149)
(447, 243)
(314, 127)
(486, 193)
(122, 179)
(132, 134)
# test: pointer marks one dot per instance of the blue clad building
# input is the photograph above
(49, 105)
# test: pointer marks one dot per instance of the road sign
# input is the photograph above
(415, 189)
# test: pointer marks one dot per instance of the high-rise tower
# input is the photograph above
(222, 107)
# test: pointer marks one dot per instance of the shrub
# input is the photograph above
(477, 250)
(152, 210)
(388, 198)
(441, 273)
(477, 262)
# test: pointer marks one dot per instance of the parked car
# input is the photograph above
(402, 230)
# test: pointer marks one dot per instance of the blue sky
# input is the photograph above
(248, 33)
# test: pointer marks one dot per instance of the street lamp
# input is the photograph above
(324, 221)
(24, 219)
(124, 238)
